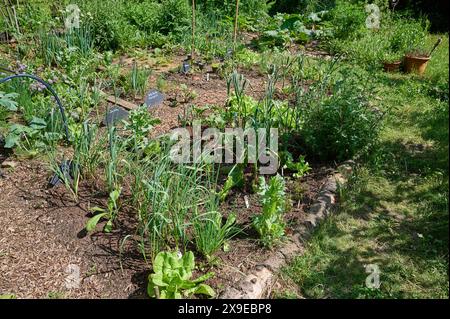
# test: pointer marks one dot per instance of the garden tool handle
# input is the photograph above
(439, 41)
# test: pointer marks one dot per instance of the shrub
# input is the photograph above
(342, 123)
(174, 16)
(348, 20)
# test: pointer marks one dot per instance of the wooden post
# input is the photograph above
(193, 30)
(235, 26)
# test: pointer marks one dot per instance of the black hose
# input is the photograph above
(49, 87)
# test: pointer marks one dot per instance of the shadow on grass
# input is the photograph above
(395, 216)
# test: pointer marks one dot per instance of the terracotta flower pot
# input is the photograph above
(416, 64)
(392, 66)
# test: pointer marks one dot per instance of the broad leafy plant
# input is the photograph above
(300, 168)
(270, 224)
(110, 213)
(172, 277)
(139, 124)
(7, 101)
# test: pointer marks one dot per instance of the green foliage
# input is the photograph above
(285, 29)
(81, 39)
(110, 213)
(396, 36)
(247, 8)
(210, 233)
(7, 101)
(235, 179)
(348, 20)
(300, 168)
(170, 194)
(172, 277)
(138, 80)
(89, 146)
(342, 123)
(113, 173)
(139, 124)
(270, 224)
(32, 138)
(174, 16)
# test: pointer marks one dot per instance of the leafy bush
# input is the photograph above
(172, 277)
(405, 33)
(397, 34)
(110, 28)
(342, 123)
(348, 20)
(287, 28)
(174, 16)
(248, 8)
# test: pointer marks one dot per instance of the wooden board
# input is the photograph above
(125, 104)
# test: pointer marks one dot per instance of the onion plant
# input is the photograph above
(210, 233)
(172, 194)
(138, 79)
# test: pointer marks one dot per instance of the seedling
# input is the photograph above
(110, 213)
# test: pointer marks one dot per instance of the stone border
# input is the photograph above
(259, 278)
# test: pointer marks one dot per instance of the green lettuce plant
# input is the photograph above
(172, 277)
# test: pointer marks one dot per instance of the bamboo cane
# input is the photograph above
(235, 26)
(193, 30)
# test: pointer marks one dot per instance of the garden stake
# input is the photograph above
(235, 26)
(193, 30)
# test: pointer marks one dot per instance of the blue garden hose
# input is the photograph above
(49, 87)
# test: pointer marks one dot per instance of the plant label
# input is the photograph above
(115, 114)
(185, 68)
(247, 202)
(154, 98)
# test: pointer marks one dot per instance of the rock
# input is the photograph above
(9, 164)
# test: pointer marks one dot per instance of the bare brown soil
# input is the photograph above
(42, 230)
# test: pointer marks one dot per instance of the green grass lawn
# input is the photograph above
(394, 211)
